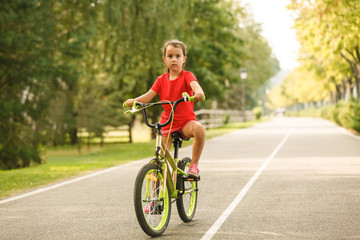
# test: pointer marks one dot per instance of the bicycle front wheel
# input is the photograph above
(152, 211)
(186, 203)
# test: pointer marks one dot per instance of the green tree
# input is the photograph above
(222, 39)
(328, 32)
(26, 67)
(74, 24)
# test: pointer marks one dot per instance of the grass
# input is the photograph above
(65, 162)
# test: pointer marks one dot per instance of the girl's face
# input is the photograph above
(174, 59)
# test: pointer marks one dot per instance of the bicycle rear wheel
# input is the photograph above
(153, 213)
(186, 203)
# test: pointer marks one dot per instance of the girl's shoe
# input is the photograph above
(153, 208)
(149, 208)
(194, 170)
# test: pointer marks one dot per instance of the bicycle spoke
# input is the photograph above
(152, 205)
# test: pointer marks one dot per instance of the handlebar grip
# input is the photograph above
(133, 105)
(193, 98)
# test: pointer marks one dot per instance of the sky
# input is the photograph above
(276, 24)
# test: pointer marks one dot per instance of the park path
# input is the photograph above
(289, 178)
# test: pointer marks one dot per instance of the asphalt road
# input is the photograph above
(290, 178)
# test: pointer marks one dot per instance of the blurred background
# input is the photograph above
(66, 67)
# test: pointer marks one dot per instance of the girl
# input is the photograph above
(170, 86)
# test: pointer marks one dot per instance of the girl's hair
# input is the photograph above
(175, 43)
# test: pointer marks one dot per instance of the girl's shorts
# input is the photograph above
(177, 125)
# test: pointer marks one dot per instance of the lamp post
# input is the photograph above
(243, 76)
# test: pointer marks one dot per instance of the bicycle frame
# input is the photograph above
(168, 167)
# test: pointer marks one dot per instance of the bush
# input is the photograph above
(258, 112)
(19, 156)
(348, 115)
(345, 114)
(326, 112)
(355, 115)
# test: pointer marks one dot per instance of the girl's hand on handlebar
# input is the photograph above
(129, 102)
(199, 96)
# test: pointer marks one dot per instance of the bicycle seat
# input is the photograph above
(177, 134)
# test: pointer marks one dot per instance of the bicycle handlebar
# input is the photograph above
(134, 109)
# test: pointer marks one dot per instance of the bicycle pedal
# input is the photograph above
(192, 178)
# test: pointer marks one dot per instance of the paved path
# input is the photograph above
(290, 178)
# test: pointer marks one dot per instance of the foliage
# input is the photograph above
(328, 32)
(26, 62)
(66, 65)
(258, 112)
(344, 114)
(259, 64)
(216, 51)
(300, 86)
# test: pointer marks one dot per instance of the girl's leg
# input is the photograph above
(197, 131)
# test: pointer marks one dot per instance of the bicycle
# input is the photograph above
(164, 178)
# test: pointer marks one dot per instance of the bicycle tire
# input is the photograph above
(186, 203)
(146, 194)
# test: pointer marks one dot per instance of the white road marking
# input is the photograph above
(67, 182)
(44, 189)
(219, 222)
(343, 130)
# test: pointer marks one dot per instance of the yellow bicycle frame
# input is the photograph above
(169, 169)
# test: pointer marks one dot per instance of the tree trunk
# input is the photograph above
(332, 97)
(130, 125)
(130, 132)
(338, 93)
(357, 82)
(357, 85)
(350, 86)
(102, 140)
(89, 142)
(343, 89)
(73, 136)
(79, 146)
(355, 69)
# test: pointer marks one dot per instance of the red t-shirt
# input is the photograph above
(172, 90)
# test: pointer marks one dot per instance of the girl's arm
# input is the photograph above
(145, 98)
(199, 93)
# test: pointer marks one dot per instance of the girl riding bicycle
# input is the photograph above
(170, 87)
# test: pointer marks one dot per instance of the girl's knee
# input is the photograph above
(199, 130)
(194, 129)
